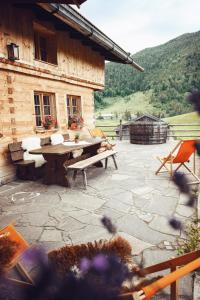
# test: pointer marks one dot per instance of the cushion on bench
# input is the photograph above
(32, 143)
(57, 138)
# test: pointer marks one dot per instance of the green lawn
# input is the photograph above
(109, 131)
(135, 103)
(190, 118)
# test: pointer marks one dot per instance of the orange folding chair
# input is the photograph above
(180, 155)
(22, 245)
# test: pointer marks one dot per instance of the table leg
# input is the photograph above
(55, 173)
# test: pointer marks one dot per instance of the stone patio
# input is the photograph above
(139, 203)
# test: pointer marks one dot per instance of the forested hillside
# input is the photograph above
(171, 71)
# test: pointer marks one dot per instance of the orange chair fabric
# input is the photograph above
(13, 235)
(187, 148)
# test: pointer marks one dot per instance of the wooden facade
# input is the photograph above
(77, 70)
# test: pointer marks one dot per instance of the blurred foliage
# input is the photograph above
(172, 70)
(192, 241)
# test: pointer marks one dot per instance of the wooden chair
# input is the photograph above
(22, 245)
(106, 145)
(185, 150)
(97, 132)
(25, 168)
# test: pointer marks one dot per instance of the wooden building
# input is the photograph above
(52, 60)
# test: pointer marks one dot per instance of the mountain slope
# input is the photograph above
(171, 71)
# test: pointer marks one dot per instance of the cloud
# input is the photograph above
(138, 24)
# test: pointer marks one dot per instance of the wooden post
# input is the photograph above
(168, 132)
(120, 130)
(174, 287)
(194, 162)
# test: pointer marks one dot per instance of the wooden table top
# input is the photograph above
(61, 149)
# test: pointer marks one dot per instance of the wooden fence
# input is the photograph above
(176, 131)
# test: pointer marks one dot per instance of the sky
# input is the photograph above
(138, 24)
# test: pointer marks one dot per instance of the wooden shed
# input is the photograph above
(51, 62)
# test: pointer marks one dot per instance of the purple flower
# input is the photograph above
(194, 98)
(192, 201)
(35, 255)
(85, 264)
(176, 224)
(181, 181)
(100, 263)
(108, 225)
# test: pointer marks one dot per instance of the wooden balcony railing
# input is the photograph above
(179, 266)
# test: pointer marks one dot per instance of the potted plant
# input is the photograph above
(75, 122)
(48, 122)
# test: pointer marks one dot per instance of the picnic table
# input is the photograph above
(60, 156)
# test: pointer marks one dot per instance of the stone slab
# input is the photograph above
(134, 226)
(34, 219)
(137, 245)
(51, 236)
(157, 204)
(30, 233)
(69, 224)
(184, 211)
(118, 205)
(119, 177)
(161, 224)
(89, 203)
(89, 233)
(109, 212)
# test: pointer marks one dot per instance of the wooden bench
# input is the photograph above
(84, 164)
(25, 168)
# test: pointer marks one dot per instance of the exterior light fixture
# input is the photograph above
(13, 51)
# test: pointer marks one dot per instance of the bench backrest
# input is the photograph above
(16, 151)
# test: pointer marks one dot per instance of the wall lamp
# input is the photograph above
(13, 51)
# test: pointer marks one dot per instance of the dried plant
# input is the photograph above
(67, 257)
(107, 223)
(7, 251)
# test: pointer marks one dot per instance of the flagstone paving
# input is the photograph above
(138, 202)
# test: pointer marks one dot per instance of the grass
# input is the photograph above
(109, 131)
(135, 103)
(190, 118)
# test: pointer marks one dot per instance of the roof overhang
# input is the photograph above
(92, 35)
(76, 2)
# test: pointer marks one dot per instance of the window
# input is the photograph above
(44, 107)
(45, 47)
(73, 105)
